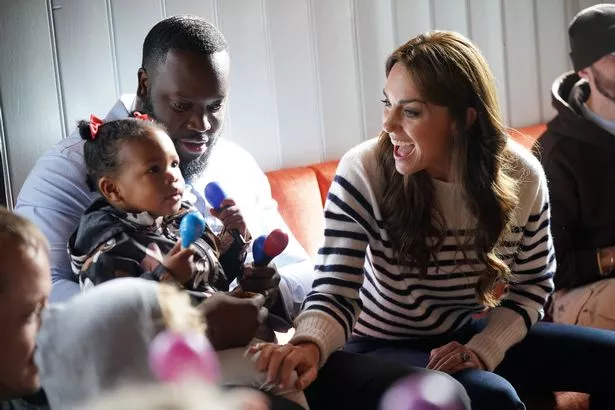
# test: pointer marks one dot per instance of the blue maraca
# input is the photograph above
(424, 391)
(258, 249)
(214, 194)
(191, 228)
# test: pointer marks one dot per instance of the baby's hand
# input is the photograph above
(179, 263)
(231, 217)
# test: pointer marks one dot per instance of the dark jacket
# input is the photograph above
(110, 243)
(579, 160)
(37, 401)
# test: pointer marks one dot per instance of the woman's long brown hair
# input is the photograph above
(450, 71)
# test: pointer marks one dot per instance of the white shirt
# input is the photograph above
(55, 195)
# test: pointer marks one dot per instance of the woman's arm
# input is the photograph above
(533, 268)
(332, 307)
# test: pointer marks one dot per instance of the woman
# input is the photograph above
(422, 224)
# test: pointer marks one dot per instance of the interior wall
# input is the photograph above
(306, 75)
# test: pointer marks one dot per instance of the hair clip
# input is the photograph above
(140, 116)
(95, 124)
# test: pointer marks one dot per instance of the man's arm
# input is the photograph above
(54, 197)
(575, 267)
(294, 265)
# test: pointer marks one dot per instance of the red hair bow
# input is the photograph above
(95, 124)
(140, 116)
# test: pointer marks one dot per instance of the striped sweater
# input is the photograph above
(360, 289)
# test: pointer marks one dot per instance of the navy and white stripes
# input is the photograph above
(360, 287)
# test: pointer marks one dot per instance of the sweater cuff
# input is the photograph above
(504, 329)
(322, 330)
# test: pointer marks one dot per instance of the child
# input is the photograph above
(133, 164)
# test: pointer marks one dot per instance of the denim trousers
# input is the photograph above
(552, 357)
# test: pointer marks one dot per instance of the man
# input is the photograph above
(578, 152)
(183, 83)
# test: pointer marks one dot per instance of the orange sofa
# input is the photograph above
(301, 193)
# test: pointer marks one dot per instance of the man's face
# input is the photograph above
(26, 286)
(602, 76)
(187, 93)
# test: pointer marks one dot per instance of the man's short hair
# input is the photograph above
(187, 33)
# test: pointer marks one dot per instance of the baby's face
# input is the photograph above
(150, 178)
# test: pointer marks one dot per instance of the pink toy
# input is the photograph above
(429, 391)
(174, 357)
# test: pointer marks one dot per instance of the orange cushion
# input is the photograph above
(298, 196)
(325, 172)
(526, 136)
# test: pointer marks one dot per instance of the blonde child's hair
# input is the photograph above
(178, 314)
(19, 232)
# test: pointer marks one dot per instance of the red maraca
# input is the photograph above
(428, 391)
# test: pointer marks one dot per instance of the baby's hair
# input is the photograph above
(101, 150)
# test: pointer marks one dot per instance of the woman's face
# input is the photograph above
(421, 132)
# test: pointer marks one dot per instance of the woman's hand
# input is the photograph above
(454, 357)
(280, 361)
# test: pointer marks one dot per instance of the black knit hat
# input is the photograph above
(592, 35)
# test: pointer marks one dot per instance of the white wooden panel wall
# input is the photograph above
(306, 75)
(32, 119)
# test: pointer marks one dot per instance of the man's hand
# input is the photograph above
(231, 217)
(261, 279)
(454, 357)
(232, 322)
(280, 361)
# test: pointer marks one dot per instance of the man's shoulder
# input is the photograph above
(229, 158)
(64, 157)
(70, 148)
(58, 173)
(227, 151)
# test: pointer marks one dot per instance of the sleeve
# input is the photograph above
(53, 197)
(576, 267)
(331, 309)
(119, 257)
(533, 268)
(107, 327)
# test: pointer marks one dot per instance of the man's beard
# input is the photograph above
(191, 167)
(604, 85)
